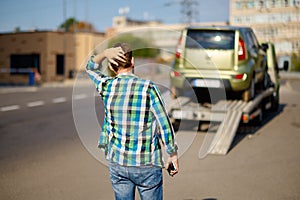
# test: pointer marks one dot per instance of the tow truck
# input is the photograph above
(229, 113)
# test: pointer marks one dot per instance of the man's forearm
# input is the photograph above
(94, 73)
(99, 57)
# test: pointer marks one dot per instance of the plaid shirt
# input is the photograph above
(135, 119)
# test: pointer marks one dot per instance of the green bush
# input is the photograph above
(141, 47)
(295, 59)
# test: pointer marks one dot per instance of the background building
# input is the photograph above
(277, 21)
(54, 55)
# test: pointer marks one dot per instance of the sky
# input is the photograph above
(49, 14)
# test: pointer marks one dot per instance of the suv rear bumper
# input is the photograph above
(229, 82)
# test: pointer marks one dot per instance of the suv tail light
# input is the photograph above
(178, 53)
(178, 50)
(176, 73)
(240, 76)
(241, 50)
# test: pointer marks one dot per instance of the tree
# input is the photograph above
(66, 25)
(71, 25)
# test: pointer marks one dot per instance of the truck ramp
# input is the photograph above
(228, 127)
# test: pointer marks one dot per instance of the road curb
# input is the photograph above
(17, 89)
(290, 75)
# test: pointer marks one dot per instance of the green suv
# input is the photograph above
(224, 57)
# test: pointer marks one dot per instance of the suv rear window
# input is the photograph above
(210, 39)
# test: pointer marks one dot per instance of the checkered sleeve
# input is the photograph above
(103, 139)
(166, 128)
(98, 78)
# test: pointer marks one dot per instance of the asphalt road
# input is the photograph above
(45, 155)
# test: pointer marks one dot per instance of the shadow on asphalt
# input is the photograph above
(246, 130)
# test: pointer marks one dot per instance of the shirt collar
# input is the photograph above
(126, 74)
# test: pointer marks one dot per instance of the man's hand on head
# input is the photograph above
(113, 54)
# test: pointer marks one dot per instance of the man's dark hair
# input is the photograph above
(128, 56)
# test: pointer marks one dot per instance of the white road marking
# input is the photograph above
(41, 103)
(35, 103)
(80, 96)
(9, 108)
(59, 100)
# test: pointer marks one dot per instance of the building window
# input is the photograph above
(60, 64)
(238, 5)
(296, 46)
(261, 18)
(286, 3)
(250, 4)
(247, 19)
(273, 3)
(24, 63)
(237, 20)
(261, 4)
(296, 3)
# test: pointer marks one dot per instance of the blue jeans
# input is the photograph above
(147, 179)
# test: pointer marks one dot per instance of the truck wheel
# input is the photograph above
(259, 119)
(249, 93)
(176, 124)
(274, 104)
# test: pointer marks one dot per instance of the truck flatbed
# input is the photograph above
(229, 113)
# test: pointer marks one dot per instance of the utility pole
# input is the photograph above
(64, 37)
(189, 11)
